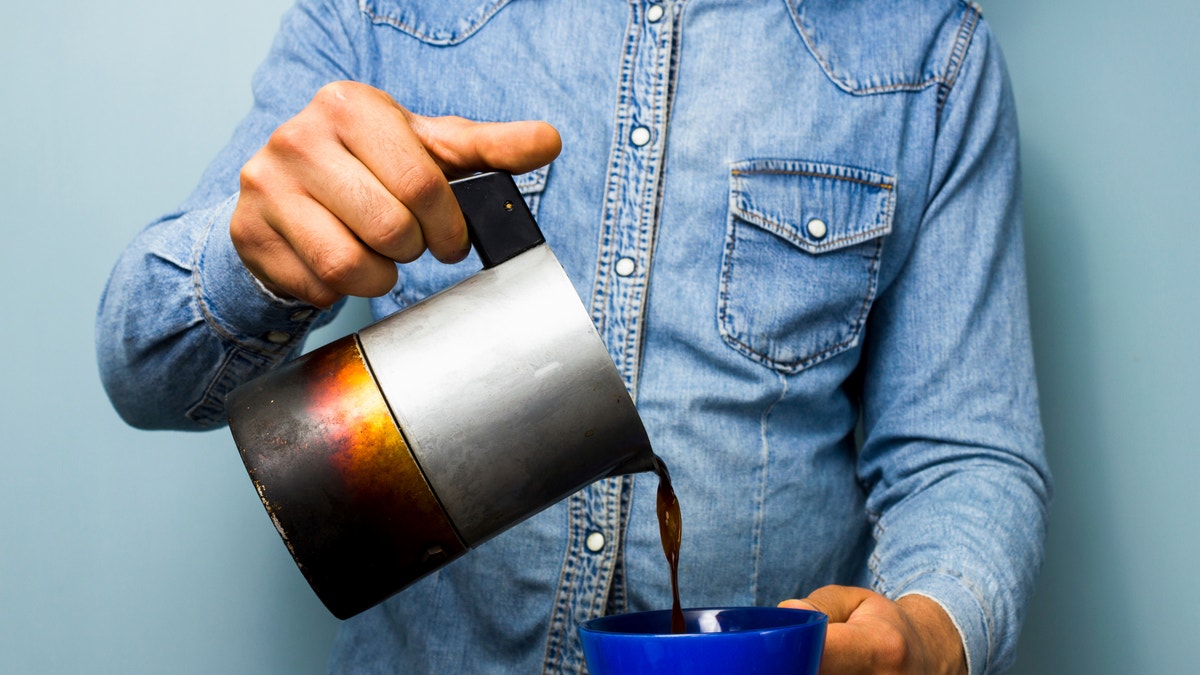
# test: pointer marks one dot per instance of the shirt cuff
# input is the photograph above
(236, 304)
(965, 610)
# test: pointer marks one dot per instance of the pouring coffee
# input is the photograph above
(390, 452)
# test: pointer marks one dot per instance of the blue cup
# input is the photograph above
(763, 640)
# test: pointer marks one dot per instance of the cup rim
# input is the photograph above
(812, 619)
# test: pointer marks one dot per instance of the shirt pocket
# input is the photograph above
(801, 261)
(444, 22)
(426, 275)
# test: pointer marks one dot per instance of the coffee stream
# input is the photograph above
(670, 528)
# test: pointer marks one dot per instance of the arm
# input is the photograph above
(181, 322)
(324, 187)
(952, 459)
(953, 452)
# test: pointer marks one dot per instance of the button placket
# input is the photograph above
(632, 196)
(618, 303)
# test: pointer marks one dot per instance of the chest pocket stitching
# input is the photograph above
(781, 229)
(953, 39)
(738, 325)
(420, 27)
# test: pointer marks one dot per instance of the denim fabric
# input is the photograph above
(790, 220)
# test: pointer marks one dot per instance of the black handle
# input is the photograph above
(498, 221)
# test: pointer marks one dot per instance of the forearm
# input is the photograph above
(953, 458)
(971, 542)
(181, 323)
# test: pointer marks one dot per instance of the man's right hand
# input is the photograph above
(355, 183)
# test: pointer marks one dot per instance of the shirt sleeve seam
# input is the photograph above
(958, 54)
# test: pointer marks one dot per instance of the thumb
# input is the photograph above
(461, 146)
(836, 602)
(798, 604)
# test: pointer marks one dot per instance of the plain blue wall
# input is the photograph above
(134, 552)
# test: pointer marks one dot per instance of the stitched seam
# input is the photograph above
(761, 515)
(966, 30)
(812, 360)
(877, 583)
(798, 22)
(812, 174)
(610, 208)
(617, 602)
(610, 497)
(663, 96)
(776, 228)
(211, 406)
(424, 36)
(562, 601)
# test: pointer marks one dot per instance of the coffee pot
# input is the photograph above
(388, 453)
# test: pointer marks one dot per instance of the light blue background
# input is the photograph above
(135, 552)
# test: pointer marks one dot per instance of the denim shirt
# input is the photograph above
(797, 227)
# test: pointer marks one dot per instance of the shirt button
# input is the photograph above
(278, 337)
(301, 314)
(595, 542)
(625, 267)
(639, 136)
(817, 229)
(654, 13)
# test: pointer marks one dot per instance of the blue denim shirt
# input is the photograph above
(791, 220)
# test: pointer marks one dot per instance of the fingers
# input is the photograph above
(868, 633)
(837, 602)
(461, 146)
(355, 183)
(864, 633)
(411, 157)
(400, 201)
(854, 650)
(317, 263)
(846, 646)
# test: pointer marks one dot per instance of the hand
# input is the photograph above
(355, 183)
(870, 634)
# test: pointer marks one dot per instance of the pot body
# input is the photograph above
(384, 455)
(506, 395)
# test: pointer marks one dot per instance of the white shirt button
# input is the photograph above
(639, 136)
(817, 229)
(278, 337)
(301, 314)
(595, 542)
(654, 13)
(625, 267)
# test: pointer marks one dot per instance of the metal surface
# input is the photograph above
(382, 456)
(336, 477)
(506, 395)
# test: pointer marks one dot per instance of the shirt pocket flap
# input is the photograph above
(444, 22)
(815, 207)
(801, 260)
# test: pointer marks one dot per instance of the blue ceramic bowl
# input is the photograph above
(762, 640)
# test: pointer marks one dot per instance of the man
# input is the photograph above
(788, 219)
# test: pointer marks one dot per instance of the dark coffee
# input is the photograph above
(670, 528)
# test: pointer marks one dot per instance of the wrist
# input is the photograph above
(941, 649)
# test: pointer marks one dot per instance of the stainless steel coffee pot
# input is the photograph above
(388, 453)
